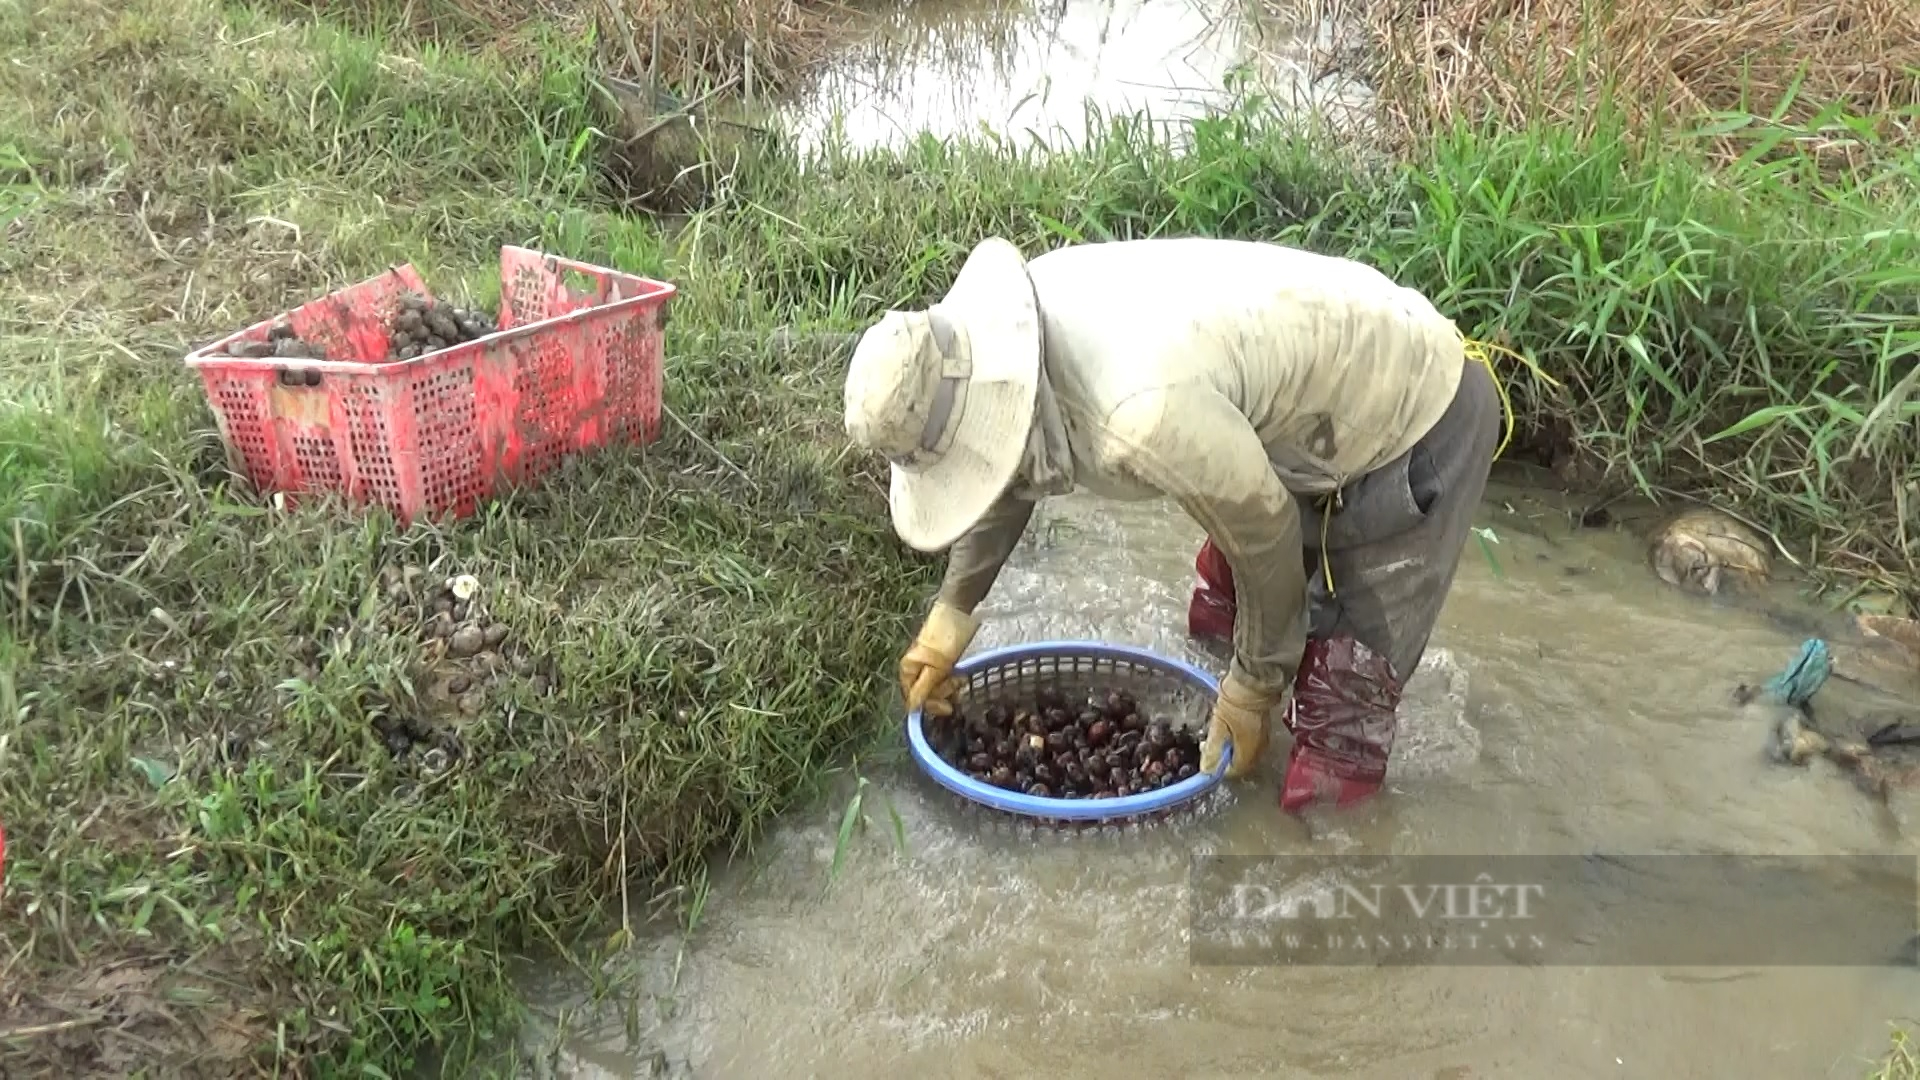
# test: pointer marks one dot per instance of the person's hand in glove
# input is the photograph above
(926, 671)
(1240, 717)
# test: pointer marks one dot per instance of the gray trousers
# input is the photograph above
(1395, 537)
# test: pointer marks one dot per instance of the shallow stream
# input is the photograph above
(1030, 72)
(1571, 704)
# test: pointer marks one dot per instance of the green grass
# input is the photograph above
(209, 791)
(1902, 1061)
(1746, 330)
(199, 690)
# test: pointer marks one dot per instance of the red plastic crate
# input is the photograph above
(571, 369)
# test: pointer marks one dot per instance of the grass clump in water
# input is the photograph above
(202, 801)
(1902, 1061)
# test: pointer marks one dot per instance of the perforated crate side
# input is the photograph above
(545, 392)
(377, 464)
(433, 436)
(633, 371)
(311, 443)
(609, 386)
(535, 286)
(240, 412)
(452, 472)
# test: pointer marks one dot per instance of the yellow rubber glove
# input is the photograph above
(926, 671)
(1239, 716)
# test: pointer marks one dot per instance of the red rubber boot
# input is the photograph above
(1342, 716)
(1210, 612)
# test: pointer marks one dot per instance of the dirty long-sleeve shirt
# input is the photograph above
(1227, 375)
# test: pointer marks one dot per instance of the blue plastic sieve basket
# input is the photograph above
(1168, 689)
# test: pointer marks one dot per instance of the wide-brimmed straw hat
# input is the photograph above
(947, 394)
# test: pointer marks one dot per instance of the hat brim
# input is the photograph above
(992, 301)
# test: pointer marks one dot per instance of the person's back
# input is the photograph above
(1337, 368)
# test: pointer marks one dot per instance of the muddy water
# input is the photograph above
(1027, 71)
(1569, 704)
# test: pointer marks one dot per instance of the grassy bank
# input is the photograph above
(215, 853)
(1822, 68)
(227, 837)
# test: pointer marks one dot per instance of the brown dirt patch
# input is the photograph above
(136, 1013)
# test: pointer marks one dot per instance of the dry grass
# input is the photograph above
(753, 45)
(681, 86)
(761, 44)
(1519, 61)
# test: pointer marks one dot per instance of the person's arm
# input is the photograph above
(1193, 444)
(974, 561)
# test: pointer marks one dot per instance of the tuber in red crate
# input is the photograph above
(570, 369)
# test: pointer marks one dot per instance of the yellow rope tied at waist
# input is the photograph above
(1329, 505)
(1479, 352)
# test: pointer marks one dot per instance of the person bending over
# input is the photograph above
(1324, 425)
